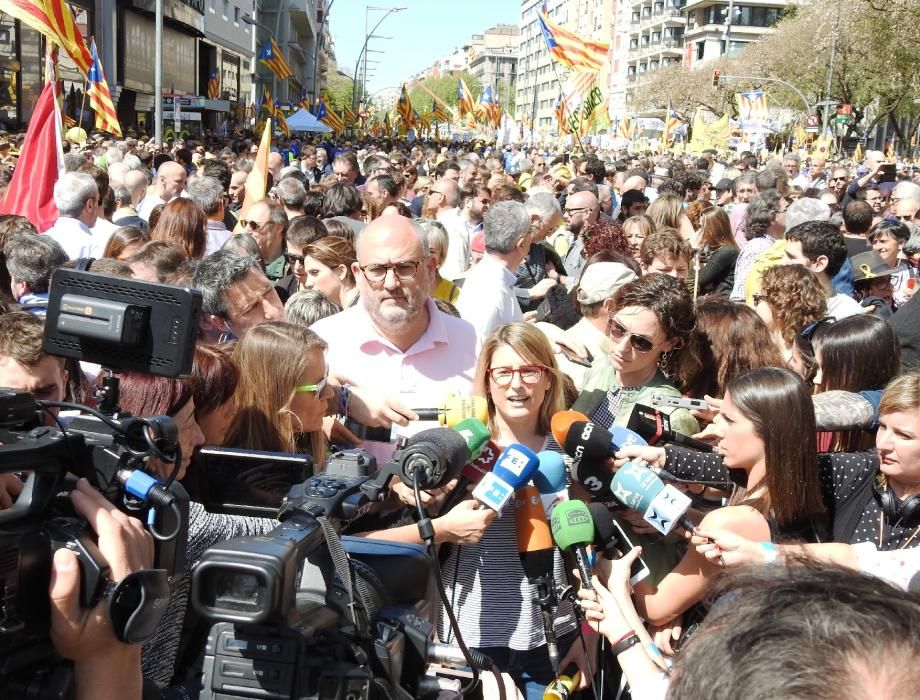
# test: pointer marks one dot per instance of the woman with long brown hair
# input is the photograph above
(183, 223)
(718, 253)
(327, 268)
(283, 390)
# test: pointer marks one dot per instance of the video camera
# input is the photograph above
(121, 324)
(304, 613)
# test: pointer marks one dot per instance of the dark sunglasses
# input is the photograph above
(292, 259)
(639, 343)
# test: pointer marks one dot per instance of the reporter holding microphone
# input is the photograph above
(492, 598)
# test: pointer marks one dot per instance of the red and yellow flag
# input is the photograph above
(54, 19)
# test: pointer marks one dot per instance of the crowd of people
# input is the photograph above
(380, 276)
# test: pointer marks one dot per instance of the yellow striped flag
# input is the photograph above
(671, 122)
(465, 99)
(438, 113)
(329, 117)
(214, 85)
(404, 108)
(348, 116)
(752, 105)
(570, 50)
(100, 99)
(273, 58)
(282, 120)
(55, 20)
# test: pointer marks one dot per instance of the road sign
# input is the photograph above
(811, 124)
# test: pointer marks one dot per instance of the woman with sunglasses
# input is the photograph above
(283, 392)
(649, 352)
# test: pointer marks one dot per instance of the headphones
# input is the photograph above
(896, 511)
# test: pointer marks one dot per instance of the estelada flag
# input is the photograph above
(41, 160)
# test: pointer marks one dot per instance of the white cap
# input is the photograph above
(601, 280)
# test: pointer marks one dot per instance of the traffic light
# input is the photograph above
(716, 74)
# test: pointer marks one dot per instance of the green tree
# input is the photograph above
(339, 91)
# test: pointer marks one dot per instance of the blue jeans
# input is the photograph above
(531, 670)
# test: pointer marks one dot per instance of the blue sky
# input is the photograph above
(422, 32)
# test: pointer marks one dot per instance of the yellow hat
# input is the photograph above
(76, 135)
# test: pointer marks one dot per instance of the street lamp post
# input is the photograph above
(252, 22)
(363, 53)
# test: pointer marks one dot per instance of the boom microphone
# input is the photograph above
(514, 468)
(550, 480)
(662, 506)
(573, 529)
(432, 458)
(655, 426)
(455, 409)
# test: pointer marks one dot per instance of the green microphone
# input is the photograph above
(572, 529)
(476, 434)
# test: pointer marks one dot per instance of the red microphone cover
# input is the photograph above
(482, 465)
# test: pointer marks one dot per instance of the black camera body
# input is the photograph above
(303, 613)
(123, 325)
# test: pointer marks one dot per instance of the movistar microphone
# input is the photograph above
(624, 437)
(514, 468)
(476, 434)
(432, 458)
(662, 506)
(550, 480)
(573, 529)
(535, 548)
(655, 426)
(562, 421)
(455, 409)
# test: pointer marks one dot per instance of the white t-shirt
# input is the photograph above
(841, 306)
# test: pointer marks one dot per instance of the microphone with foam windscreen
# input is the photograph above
(662, 506)
(550, 480)
(655, 427)
(455, 409)
(431, 457)
(514, 468)
(573, 530)
(589, 446)
(535, 549)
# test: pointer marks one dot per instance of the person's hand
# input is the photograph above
(711, 435)
(654, 457)
(586, 661)
(727, 549)
(337, 433)
(431, 499)
(539, 290)
(378, 410)
(465, 523)
(10, 488)
(491, 690)
(709, 414)
(667, 634)
(103, 666)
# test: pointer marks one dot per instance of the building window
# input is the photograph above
(226, 9)
(236, 15)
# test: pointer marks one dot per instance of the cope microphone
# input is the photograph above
(535, 548)
(549, 480)
(655, 427)
(456, 409)
(432, 458)
(662, 506)
(514, 468)
(572, 530)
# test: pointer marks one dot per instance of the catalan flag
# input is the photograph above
(752, 105)
(280, 118)
(272, 57)
(348, 116)
(257, 180)
(438, 114)
(304, 100)
(266, 102)
(55, 20)
(99, 97)
(625, 128)
(560, 114)
(570, 50)
(404, 108)
(465, 99)
(490, 108)
(214, 85)
(387, 129)
(329, 117)
(671, 122)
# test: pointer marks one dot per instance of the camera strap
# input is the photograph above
(343, 569)
(137, 604)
